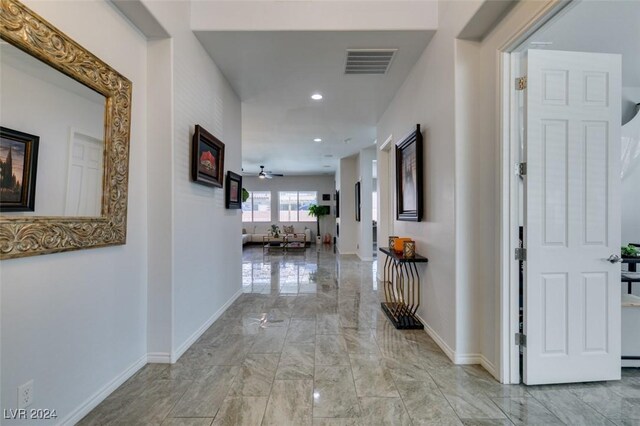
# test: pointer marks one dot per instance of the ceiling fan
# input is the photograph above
(267, 175)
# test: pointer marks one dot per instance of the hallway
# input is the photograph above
(307, 344)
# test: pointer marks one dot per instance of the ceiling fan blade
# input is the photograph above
(268, 176)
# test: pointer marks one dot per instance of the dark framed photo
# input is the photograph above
(409, 177)
(358, 203)
(207, 158)
(18, 167)
(233, 191)
(337, 197)
(326, 197)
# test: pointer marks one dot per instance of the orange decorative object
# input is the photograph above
(398, 244)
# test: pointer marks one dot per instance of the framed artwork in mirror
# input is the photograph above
(233, 191)
(18, 167)
(409, 177)
(207, 162)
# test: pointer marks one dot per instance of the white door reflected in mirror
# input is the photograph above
(68, 118)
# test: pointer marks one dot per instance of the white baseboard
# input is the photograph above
(365, 259)
(457, 358)
(196, 335)
(159, 358)
(450, 353)
(92, 402)
(491, 369)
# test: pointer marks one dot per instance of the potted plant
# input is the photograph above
(275, 231)
(317, 212)
(630, 251)
(245, 195)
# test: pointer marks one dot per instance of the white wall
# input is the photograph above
(323, 184)
(30, 103)
(347, 241)
(266, 15)
(427, 98)
(631, 183)
(205, 275)
(74, 322)
(364, 248)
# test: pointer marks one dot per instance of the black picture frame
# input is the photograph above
(18, 170)
(207, 158)
(326, 197)
(233, 191)
(409, 176)
(337, 203)
(358, 202)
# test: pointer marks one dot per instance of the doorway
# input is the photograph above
(541, 303)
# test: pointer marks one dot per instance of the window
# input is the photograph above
(257, 208)
(294, 205)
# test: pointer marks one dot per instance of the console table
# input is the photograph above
(401, 281)
(631, 276)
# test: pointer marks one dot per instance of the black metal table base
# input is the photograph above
(403, 320)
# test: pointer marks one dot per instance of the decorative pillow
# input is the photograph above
(288, 229)
(244, 231)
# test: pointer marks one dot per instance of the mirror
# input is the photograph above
(63, 175)
(64, 148)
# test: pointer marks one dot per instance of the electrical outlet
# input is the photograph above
(25, 394)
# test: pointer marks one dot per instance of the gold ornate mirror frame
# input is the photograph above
(22, 236)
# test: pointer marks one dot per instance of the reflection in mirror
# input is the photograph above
(66, 119)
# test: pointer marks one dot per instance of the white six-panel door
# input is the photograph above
(572, 217)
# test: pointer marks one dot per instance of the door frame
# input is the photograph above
(509, 369)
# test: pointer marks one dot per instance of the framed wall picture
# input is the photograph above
(18, 167)
(326, 197)
(207, 158)
(409, 177)
(358, 202)
(233, 191)
(337, 203)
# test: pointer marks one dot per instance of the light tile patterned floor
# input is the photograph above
(307, 344)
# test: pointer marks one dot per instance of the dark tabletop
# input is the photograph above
(398, 257)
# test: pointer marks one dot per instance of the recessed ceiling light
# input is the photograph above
(316, 96)
(317, 140)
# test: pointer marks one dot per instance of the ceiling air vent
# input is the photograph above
(369, 61)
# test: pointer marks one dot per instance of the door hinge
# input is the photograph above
(521, 83)
(521, 254)
(521, 339)
(521, 169)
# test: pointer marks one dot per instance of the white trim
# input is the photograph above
(92, 402)
(459, 359)
(196, 335)
(159, 358)
(488, 365)
(508, 354)
(386, 145)
(450, 353)
(347, 252)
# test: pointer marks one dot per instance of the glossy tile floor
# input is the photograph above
(307, 344)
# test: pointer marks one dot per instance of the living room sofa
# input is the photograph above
(257, 237)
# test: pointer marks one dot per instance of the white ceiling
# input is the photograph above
(601, 27)
(275, 73)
